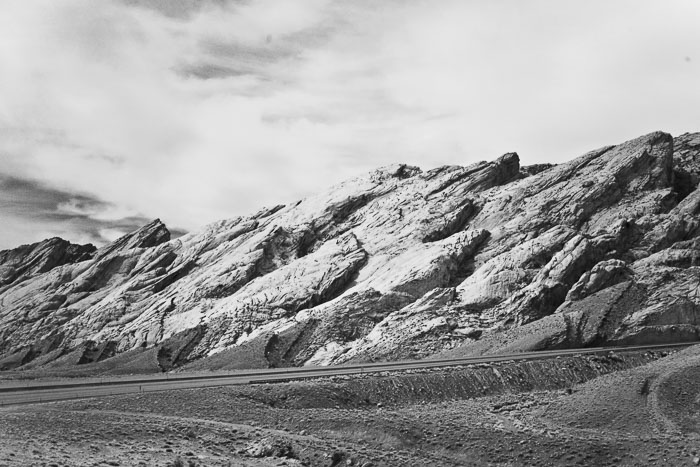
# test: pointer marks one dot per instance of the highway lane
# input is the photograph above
(31, 391)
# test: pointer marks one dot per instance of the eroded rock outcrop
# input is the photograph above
(398, 263)
(27, 261)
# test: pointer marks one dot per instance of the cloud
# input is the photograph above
(33, 212)
(193, 111)
(176, 8)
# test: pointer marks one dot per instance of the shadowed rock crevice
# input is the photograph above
(466, 266)
(51, 344)
(333, 288)
(175, 351)
(173, 276)
(683, 184)
(91, 351)
(279, 249)
(456, 222)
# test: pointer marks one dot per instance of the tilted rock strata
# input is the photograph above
(399, 263)
(30, 260)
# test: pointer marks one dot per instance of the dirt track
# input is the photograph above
(303, 424)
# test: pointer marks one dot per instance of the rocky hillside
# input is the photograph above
(399, 263)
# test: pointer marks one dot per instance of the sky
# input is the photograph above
(116, 112)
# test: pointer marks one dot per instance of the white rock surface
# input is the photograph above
(398, 263)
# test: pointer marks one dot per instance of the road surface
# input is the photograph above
(31, 391)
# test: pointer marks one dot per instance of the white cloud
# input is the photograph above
(217, 108)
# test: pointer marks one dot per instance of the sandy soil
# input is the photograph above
(643, 416)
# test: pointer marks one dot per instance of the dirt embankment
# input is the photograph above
(409, 387)
(662, 397)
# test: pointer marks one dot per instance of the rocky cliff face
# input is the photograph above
(27, 261)
(398, 263)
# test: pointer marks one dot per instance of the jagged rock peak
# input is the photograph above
(507, 168)
(510, 158)
(152, 234)
(400, 171)
(28, 260)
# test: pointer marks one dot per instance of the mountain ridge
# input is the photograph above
(398, 263)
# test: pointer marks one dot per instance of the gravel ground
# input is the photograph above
(643, 416)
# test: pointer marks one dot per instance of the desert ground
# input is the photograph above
(636, 409)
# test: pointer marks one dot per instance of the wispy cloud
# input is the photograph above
(175, 8)
(34, 211)
(197, 110)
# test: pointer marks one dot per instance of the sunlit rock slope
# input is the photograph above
(399, 263)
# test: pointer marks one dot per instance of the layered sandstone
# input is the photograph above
(398, 263)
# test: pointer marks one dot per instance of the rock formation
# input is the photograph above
(399, 263)
(30, 260)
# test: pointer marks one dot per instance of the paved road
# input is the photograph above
(31, 391)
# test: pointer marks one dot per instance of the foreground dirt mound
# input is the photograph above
(661, 397)
(398, 263)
